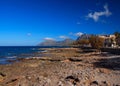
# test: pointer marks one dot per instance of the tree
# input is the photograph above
(117, 34)
(96, 42)
(82, 42)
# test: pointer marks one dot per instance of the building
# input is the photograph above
(109, 40)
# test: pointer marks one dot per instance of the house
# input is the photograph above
(109, 40)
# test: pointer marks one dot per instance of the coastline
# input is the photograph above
(63, 67)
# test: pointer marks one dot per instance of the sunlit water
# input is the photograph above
(10, 53)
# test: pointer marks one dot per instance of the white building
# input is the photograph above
(109, 40)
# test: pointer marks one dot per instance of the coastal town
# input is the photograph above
(70, 66)
(59, 42)
(111, 40)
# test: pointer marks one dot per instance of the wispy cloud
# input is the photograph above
(63, 37)
(76, 34)
(96, 15)
(48, 38)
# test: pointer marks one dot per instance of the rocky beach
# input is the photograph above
(63, 67)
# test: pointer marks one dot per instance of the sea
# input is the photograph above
(9, 54)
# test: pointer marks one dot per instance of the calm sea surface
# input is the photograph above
(11, 53)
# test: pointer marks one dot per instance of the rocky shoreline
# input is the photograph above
(63, 67)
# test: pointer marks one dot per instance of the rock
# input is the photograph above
(28, 77)
(60, 83)
(94, 83)
(104, 83)
(56, 70)
(103, 70)
(73, 79)
(33, 65)
(67, 60)
(75, 60)
(2, 75)
(1, 78)
(11, 81)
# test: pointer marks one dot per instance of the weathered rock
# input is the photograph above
(60, 83)
(104, 83)
(94, 83)
(61, 69)
(2, 76)
(73, 79)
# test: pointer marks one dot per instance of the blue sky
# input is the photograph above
(29, 22)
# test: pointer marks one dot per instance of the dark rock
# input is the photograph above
(73, 79)
(104, 83)
(75, 60)
(116, 85)
(94, 83)
(13, 80)
(2, 74)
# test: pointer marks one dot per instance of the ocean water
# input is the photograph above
(8, 54)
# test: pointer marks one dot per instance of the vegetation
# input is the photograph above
(82, 42)
(96, 42)
(117, 34)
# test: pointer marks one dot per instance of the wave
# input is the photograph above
(11, 57)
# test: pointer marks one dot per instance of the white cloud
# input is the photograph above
(47, 38)
(78, 34)
(63, 37)
(29, 34)
(96, 15)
